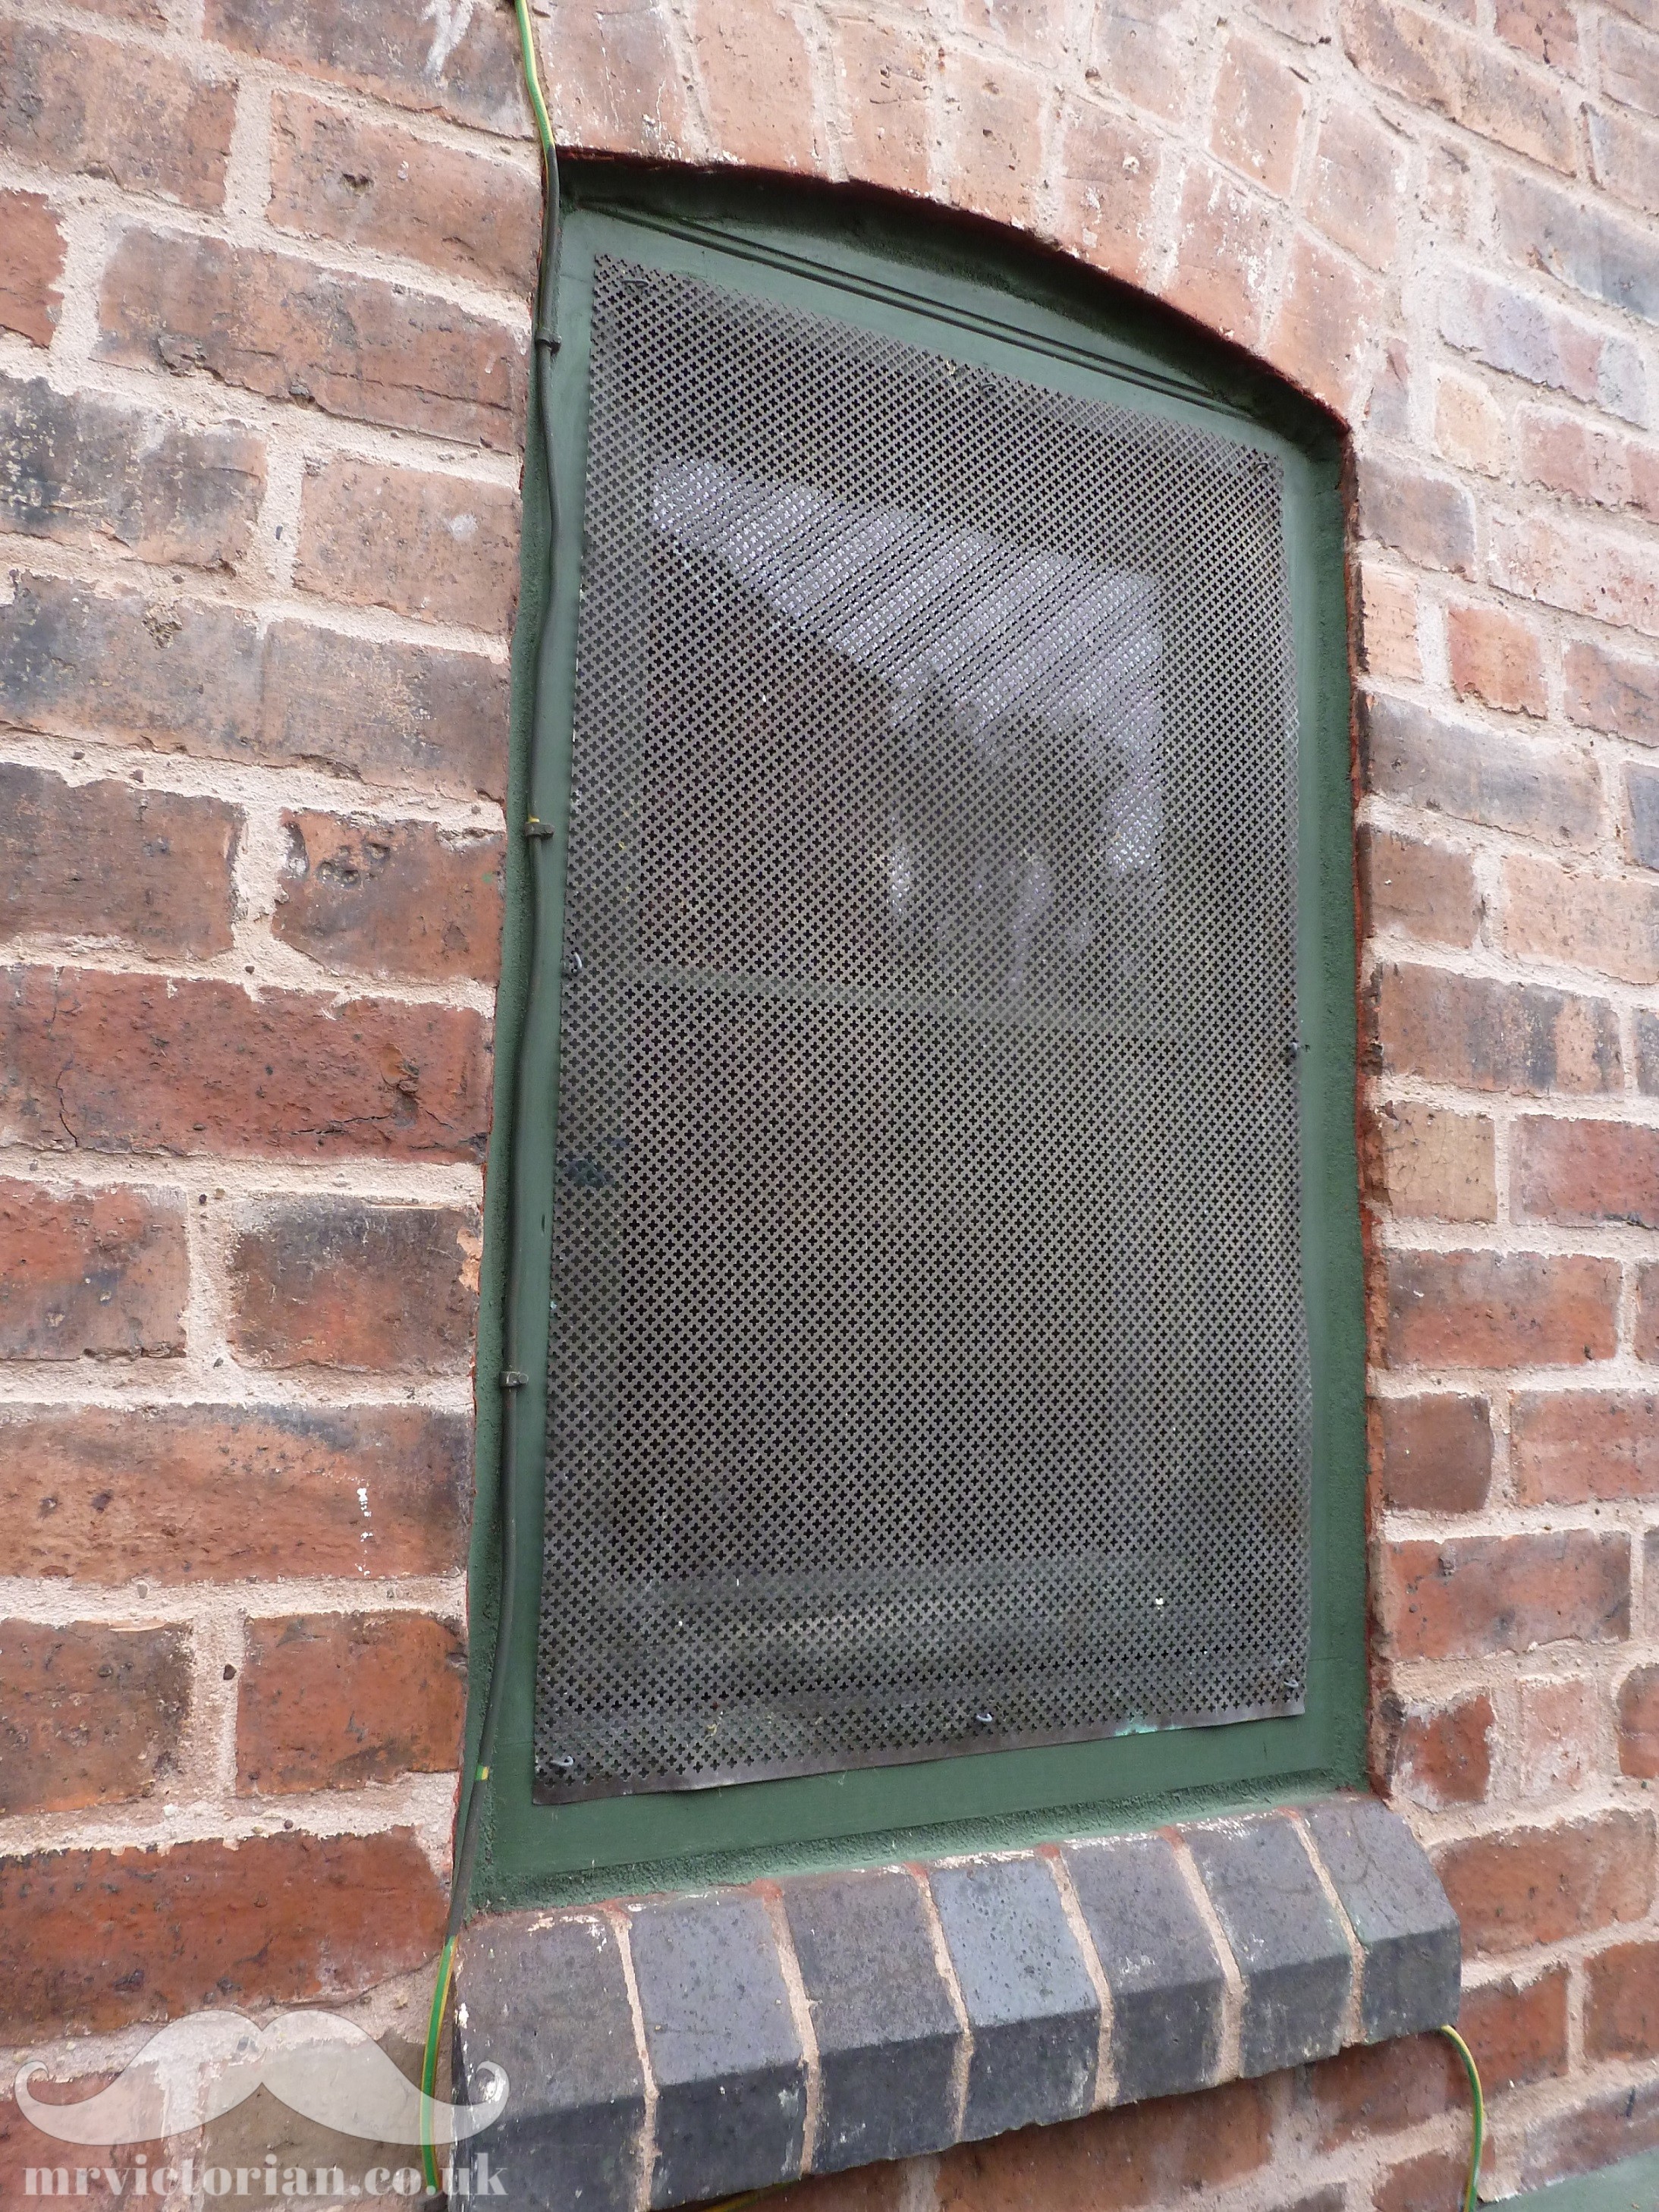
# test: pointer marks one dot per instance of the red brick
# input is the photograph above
(123, 1063)
(1518, 2031)
(381, 898)
(1581, 1172)
(84, 472)
(1365, 2092)
(1638, 1722)
(1583, 2139)
(86, 107)
(1454, 73)
(1432, 2177)
(329, 1701)
(335, 175)
(93, 1714)
(1625, 159)
(186, 1494)
(1569, 1447)
(1607, 923)
(1106, 173)
(356, 346)
(1523, 336)
(756, 77)
(1389, 409)
(1621, 2002)
(613, 78)
(1357, 182)
(1587, 463)
(1487, 1036)
(1256, 120)
(1545, 29)
(1470, 427)
(437, 547)
(1591, 247)
(992, 118)
(1630, 65)
(30, 297)
(1529, 1885)
(1496, 657)
(98, 1274)
(112, 861)
(1326, 314)
(1613, 691)
(1472, 1595)
(1557, 1743)
(1426, 1164)
(1428, 519)
(328, 1282)
(1041, 31)
(396, 53)
(1434, 1453)
(1388, 644)
(1646, 1331)
(1142, 53)
(1608, 575)
(1441, 1755)
(886, 77)
(1426, 891)
(1148, 2153)
(203, 679)
(101, 1939)
(1225, 241)
(1498, 1310)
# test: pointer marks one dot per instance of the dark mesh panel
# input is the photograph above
(928, 1365)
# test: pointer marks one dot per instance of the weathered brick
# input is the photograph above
(1630, 65)
(382, 898)
(1426, 891)
(1378, 2088)
(1642, 831)
(1647, 1053)
(1555, 1743)
(1106, 173)
(203, 678)
(756, 73)
(614, 82)
(1310, 21)
(1470, 430)
(1387, 641)
(1498, 1310)
(1319, 338)
(1435, 65)
(1486, 1036)
(1142, 51)
(1591, 248)
(1607, 923)
(1389, 409)
(438, 547)
(1545, 29)
(1426, 1164)
(99, 1939)
(1645, 1329)
(1638, 1722)
(335, 175)
(108, 860)
(85, 472)
(1604, 2131)
(1433, 2177)
(1569, 1447)
(886, 77)
(1609, 574)
(1587, 462)
(465, 65)
(1042, 31)
(1440, 1755)
(1147, 2154)
(1528, 1886)
(1256, 119)
(1225, 242)
(1524, 336)
(1428, 519)
(1614, 692)
(99, 1273)
(994, 115)
(1497, 657)
(1472, 1595)
(30, 297)
(1621, 2002)
(329, 1701)
(85, 106)
(125, 1064)
(1625, 159)
(1581, 1172)
(93, 1714)
(356, 346)
(1358, 177)
(1434, 1453)
(328, 1282)
(1518, 2030)
(184, 1494)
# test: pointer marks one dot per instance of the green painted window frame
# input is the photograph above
(976, 294)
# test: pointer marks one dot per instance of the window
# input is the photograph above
(934, 1167)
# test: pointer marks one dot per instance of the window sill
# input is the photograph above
(735, 2038)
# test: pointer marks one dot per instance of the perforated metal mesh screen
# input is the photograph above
(928, 1366)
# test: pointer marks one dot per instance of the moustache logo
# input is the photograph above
(328, 2068)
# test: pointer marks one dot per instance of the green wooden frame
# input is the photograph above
(986, 300)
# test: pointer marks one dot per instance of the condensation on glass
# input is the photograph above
(928, 1366)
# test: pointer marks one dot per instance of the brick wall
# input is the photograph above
(262, 377)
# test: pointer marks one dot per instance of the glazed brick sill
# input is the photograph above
(666, 2050)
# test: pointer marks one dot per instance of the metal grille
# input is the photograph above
(927, 1368)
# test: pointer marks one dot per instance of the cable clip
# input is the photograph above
(511, 1379)
(535, 827)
